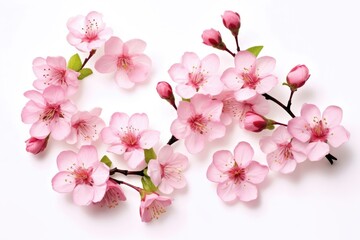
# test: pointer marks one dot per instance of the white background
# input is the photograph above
(317, 201)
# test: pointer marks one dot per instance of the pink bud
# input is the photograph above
(212, 38)
(254, 122)
(298, 76)
(231, 21)
(35, 145)
(165, 92)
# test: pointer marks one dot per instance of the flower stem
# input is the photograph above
(330, 158)
(126, 172)
(231, 53)
(290, 99)
(172, 140)
(127, 184)
(287, 109)
(282, 124)
(237, 44)
(92, 52)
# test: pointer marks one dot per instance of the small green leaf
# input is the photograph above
(255, 50)
(84, 73)
(105, 159)
(75, 62)
(148, 185)
(149, 154)
(186, 99)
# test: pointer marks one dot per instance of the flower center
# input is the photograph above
(83, 176)
(198, 123)
(250, 80)
(85, 130)
(197, 79)
(237, 174)
(91, 31)
(111, 198)
(156, 209)
(285, 152)
(130, 139)
(51, 112)
(125, 63)
(319, 132)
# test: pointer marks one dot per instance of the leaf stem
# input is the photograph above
(126, 172)
(92, 52)
(127, 184)
(287, 109)
(172, 140)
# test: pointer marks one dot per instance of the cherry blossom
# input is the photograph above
(127, 60)
(198, 122)
(236, 174)
(49, 112)
(85, 127)
(297, 76)
(52, 71)
(319, 131)
(283, 151)
(212, 37)
(250, 75)
(152, 206)
(129, 136)
(89, 32)
(113, 195)
(83, 174)
(231, 21)
(194, 75)
(166, 171)
(35, 145)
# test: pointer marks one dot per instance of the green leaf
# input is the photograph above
(148, 185)
(75, 62)
(105, 159)
(149, 154)
(255, 50)
(84, 73)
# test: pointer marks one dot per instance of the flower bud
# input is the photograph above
(165, 92)
(35, 145)
(297, 76)
(232, 22)
(211, 37)
(256, 123)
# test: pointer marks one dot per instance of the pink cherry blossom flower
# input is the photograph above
(126, 60)
(195, 75)
(250, 75)
(52, 71)
(283, 151)
(231, 21)
(113, 195)
(212, 37)
(255, 122)
(35, 145)
(83, 174)
(234, 109)
(152, 206)
(85, 127)
(130, 136)
(88, 33)
(319, 131)
(165, 91)
(49, 112)
(166, 172)
(198, 122)
(236, 174)
(298, 76)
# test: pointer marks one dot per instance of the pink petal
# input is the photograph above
(100, 174)
(139, 121)
(63, 182)
(165, 153)
(60, 129)
(298, 150)
(215, 130)
(114, 47)
(212, 110)
(135, 158)
(108, 135)
(135, 46)
(106, 64)
(231, 79)
(266, 84)
(179, 73)
(281, 135)
(149, 138)
(213, 86)
(185, 91)
(337, 136)
(215, 175)
(122, 79)
(67, 161)
(317, 150)
(175, 180)
(195, 143)
(247, 192)
(119, 120)
(243, 154)
(165, 187)
(99, 192)
(256, 173)
(289, 166)
(72, 137)
(31, 112)
(267, 145)
(203, 103)
(227, 191)
(54, 94)
(223, 160)
(244, 94)
(332, 116)
(310, 112)
(139, 73)
(179, 129)
(40, 130)
(259, 104)
(88, 156)
(244, 61)
(95, 17)
(265, 65)
(83, 194)
(299, 129)
(190, 60)
(56, 62)
(210, 64)
(185, 110)
(276, 160)
(35, 96)
(117, 149)
(154, 171)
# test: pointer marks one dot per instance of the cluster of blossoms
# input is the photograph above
(210, 101)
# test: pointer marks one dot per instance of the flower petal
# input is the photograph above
(231, 79)
(243, 154)
(317, 150)
(299, 129)
(247, 192)
(337, 136)
(332, 116)
(185, 91)
(139, 121)
(289, 166)
(135, 158)
(215, 130)
(227, 191)
(267, 145)
(223, 160)
(99, 192)
(67, 161)
(100, 174)
(122, 79)
(265, 65)
(185, 110)
(244, 61)
(180, 129)
(83, 194)
(134, 46)
(178, 73)
(244, 94)
(195, 143)
(114, 46)
(60, 129)
(117, 149)
(106, 64)
(210, 64)
(310, 113)
(119, 120)
(256, 173)
(266, 84)
(63, 182)
(87, 156)
(154, 171)
(215, 175)
(149, 138)
(165, 153)
(40, 129)
(190, 60)
(54, 94)
(281, 135)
